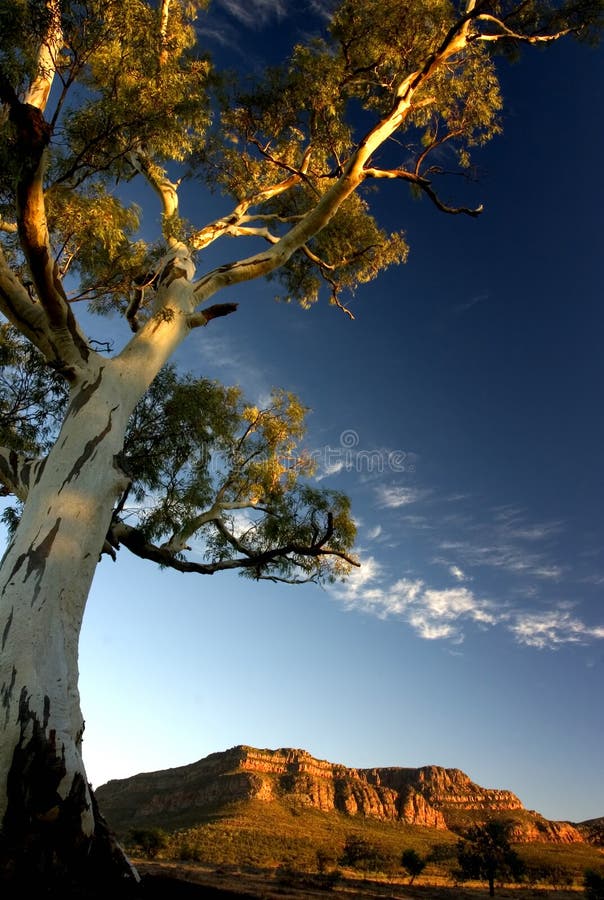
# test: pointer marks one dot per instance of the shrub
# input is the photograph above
(593, 883)
(413, 863)
(362, 854)
(147, 841)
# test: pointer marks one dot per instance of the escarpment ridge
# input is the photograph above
(430, 796)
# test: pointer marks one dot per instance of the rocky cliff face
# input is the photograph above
(431, 796)
(593, 831)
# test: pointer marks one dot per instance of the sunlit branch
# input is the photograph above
(69, 346)
(166, 190)
(250, 231)
(300, 172)
(426, 187)
(517, 36)
(39, 90)
(8, 227)
(164, 15)
(24, 312)
(353, 174)
(209, 233)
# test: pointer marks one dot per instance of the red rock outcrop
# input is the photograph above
(430, 796)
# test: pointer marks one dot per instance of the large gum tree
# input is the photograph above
(105, 449)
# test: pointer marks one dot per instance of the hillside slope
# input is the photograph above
(431, 796)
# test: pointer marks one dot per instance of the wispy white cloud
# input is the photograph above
(432, 613)
(254, 13)
(458, 573)
(536, 532)
(446, 613)
(395, 496)
(552, 628)
(374, 533)
(322, 8)
(330, 469)
(506, 541)
(222, 358)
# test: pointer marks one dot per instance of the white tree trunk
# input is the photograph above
(49, 822)
(52, 837)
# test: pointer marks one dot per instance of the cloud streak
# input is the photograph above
(552, 628)
(254, 13)
(446, 613)
(433, 613)
(396, 496)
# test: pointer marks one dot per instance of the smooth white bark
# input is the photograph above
(46, 574)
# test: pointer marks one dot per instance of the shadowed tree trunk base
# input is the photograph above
(45, 848)
(51, 862)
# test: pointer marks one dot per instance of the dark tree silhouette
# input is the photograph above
(486, 854)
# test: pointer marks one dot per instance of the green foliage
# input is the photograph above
(304, 118)
(351, 250)
(140, 88)
(32, 398)
(32, 403)
(203, 464)
(128, 82)
(208, 466)
(266, 834)
(593, 883)
(135, 96)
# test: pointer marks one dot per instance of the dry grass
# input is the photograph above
(272, 885)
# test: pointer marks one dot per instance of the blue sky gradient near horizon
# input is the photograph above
(461, 412)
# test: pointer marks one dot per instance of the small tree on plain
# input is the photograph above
(413, 863)
(486, 854)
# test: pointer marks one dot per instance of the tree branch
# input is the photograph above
(201, 318)
(218, 227)
(32, 138)
(426, 187)
(25, 313)
(39, 90)
(353, 174)
(507, 33)
(19, 471)
(166, 190)
(135, 541)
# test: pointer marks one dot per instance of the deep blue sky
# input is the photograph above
(471, 380)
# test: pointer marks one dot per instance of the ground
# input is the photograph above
(167, 880)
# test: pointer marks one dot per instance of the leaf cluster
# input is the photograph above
(300, 124)
(211, 471)
(32, 397)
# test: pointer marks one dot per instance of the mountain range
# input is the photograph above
(430, 796)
